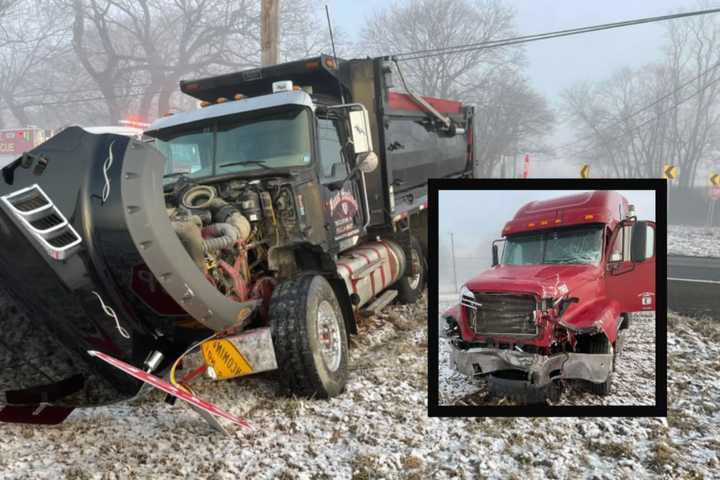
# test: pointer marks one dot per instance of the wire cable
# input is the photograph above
(656, 117)
(431, 52)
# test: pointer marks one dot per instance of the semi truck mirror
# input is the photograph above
(496, 251)
(638, 243)
(360, 130)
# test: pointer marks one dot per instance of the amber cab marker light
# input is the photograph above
(531, 224)
(239, 96)
(205, 103)
(589, 217)
(221, 100)
(557, 220)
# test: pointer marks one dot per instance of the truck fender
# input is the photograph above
(598, 315)
(291, 260)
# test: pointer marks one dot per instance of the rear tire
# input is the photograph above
(309, 337)
(410, 287)
(599, 343)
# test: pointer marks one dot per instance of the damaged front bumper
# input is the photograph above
(540, 369)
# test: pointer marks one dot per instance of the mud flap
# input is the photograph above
(34, 414)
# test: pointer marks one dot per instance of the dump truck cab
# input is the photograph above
(556, 302)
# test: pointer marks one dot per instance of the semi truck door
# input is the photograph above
(630, 282)
(343, 206)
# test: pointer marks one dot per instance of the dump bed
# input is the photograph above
(411, 143)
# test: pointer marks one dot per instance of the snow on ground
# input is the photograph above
(693, 241)
(379, 428)
(633, 382)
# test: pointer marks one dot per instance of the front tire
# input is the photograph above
(410, 287)
(599, 343)
(309, 336)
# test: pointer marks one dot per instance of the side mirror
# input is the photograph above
(638, 244)
(495, 256)
(360, 130)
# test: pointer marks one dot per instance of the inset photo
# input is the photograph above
(545, 294)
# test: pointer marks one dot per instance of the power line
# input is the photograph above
(88, 99)
(636, 127)
(431, 52)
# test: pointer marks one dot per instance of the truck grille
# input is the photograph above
(502, 314)
(42, 219)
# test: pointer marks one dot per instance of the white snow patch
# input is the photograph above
(379, 427)
(693, 241)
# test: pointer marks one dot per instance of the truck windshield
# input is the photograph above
(581, 245)
(269, 140)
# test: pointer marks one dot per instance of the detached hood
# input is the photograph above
(542, 280)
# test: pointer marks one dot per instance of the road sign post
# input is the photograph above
(712, 202)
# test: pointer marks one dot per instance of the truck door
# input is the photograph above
(343, 207)
(631, 283)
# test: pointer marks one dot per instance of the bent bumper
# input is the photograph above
(541, 369)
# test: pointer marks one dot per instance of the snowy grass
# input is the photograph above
(693, 241)
(379, 428)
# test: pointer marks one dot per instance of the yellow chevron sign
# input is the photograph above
(715, 180)
(670, 172)
(585, 171)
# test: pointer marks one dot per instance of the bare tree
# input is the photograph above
(408, 26)
(304, 31)
(619, 135)
(666, 113)
(25, 48)
(511, 118)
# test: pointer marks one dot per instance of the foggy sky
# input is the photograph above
(556, 64)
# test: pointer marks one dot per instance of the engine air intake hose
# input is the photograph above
(225, 236)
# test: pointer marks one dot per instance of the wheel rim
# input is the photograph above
(328, 333)
(414, 281)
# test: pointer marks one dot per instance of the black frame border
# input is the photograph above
(660, 407)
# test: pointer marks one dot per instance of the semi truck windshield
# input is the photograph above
(264, 141)
(581, 245)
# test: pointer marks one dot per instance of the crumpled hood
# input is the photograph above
(542, 280)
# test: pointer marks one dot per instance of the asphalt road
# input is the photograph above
(693, 284)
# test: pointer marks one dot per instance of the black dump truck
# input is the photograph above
(254, 227)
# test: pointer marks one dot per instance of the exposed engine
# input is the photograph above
(228, 229)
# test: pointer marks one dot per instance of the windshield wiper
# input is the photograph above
(253, 162)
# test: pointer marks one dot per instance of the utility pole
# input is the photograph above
(452, 250)
(269, 31)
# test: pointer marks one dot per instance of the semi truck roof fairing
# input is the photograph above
(601, 206)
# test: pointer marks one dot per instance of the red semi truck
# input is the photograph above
(556, 303)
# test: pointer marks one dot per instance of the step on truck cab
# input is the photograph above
(556, 302)
(294, 198)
